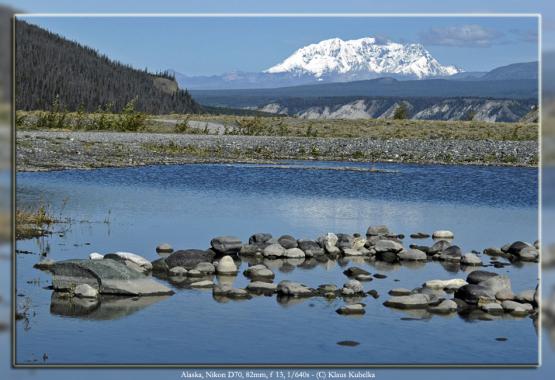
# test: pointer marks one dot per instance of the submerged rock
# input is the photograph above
(413, 301)
(353, 309)
(108, 276)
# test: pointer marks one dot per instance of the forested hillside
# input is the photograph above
(51, 69)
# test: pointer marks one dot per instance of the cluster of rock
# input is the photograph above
(482, 291)
(120, 273)
(125, 273)
(517, 251)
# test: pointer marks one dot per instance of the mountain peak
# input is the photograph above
(362, 57)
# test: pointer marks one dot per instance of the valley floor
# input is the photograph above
(49, 150)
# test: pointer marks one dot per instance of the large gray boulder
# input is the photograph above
(187, 259)
(287, 241)
(107, 276)
(260, 238)
(477, 276)
(226, 245)
(310, 248)
(388, 246)
(345, 241)
(472, 293)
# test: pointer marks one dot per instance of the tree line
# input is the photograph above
(50, 69)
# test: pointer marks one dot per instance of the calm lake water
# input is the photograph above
(134, 209)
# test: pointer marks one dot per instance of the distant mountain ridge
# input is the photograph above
(355, 59)
(383, 87)
(49, 66)
(335, 60)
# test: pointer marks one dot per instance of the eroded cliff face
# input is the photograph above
(502, 110)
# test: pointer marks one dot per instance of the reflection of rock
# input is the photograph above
(226, 280)
(108, 276)
(107, 308)
(63, 304)
(164, 248)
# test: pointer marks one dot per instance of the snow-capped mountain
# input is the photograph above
(361, 58)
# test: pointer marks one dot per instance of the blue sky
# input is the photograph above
(204, 46)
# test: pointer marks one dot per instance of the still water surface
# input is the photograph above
(134, 209)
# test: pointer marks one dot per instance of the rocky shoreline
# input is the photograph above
(481, 295)
(42, 150)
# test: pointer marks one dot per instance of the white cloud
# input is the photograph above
(472, 35)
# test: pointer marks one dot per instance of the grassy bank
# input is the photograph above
(132, 121)
(32, 223)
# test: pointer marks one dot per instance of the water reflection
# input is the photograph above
(106, 308)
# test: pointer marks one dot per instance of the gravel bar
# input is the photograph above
(45, 150)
